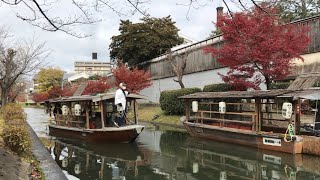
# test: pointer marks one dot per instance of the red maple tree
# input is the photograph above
(258, 47)
(97, 86)
(135, 78)
(39, 97)
(55, 92)
(69, 90)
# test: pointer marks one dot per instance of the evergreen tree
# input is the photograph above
(140, 42)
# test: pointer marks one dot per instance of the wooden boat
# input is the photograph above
(239, 117)
(76, 118)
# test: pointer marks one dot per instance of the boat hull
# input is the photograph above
(124, 134)
(243, 137)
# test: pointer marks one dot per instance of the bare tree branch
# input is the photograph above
(178, 64)
(137, 8)
(85, 12)
(190, 5)
(110, 6)
(18, 61)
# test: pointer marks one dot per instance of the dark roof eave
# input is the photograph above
(236, 94)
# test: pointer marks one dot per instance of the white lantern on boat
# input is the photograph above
(194, 106)
(64, 110)
(77, 168)
(77, 109)
(64, 162)
(195, 167)
(223, 175)
(287, 110)
(222, 107)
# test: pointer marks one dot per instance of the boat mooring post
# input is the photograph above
(87, 161)
(135, 112)
(187, 105)
(102, 168)
(258, 114)
(297, 114)
(87, 117)
(102, 114)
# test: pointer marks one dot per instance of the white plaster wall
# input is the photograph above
(199, 80)
(308, 59)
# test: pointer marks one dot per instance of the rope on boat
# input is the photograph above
(290, 131)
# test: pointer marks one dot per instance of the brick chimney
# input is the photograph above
(94, 56)
(219, 13)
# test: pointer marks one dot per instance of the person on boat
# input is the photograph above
(57, 110)
(92, 121)
(120, 101)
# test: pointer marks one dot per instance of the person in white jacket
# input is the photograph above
(120, 101)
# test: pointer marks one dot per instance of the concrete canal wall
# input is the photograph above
(49, 167)
(311, 145)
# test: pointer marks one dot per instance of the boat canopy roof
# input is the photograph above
(313, 94)
(96, 98)
(72, 98)
(109, 96)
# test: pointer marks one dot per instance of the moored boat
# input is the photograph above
(91, 118)
(239, 117)
(285, 120)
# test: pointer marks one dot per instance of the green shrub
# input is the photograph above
(17, 138)
(13, 114)
(280, 85)
(217, 87)
(171, 104)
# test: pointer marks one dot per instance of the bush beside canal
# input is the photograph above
(15, 135)
(221, 87)
(170, 102)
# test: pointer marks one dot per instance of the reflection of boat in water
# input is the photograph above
(216, 160)
(89, 161)
(179, 156)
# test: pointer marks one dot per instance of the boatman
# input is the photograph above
(120, 101)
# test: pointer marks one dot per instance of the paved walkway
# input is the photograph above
(49, 167)
(12, 167)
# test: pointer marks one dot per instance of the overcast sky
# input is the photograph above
(66, 49)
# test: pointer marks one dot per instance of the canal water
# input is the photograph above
(168, 153)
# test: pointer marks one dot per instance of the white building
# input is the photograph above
(93, 66)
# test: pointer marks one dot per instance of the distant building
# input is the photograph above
(93, 66)
(35, 84)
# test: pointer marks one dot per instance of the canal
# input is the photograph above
(168, 153)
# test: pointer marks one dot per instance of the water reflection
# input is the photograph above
(179, 156)
(162, 154)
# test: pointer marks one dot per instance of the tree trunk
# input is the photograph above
(268, 82)
(303, 9)
(181, 83)
(4, 97)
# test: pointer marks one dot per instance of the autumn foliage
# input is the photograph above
(40, 97)
(98, 86)
(135, 79)
(258, 47)
(93, 87)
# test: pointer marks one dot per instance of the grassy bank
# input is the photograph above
(152, 113)
(1, 130)
(24, 105)
(24, 157)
